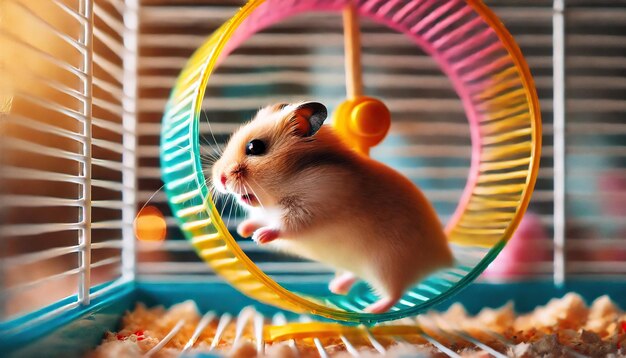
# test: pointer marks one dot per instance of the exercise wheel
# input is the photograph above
(492, 80)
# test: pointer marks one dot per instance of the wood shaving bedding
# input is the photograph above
(561, 328)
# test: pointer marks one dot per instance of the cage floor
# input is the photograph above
(563, 327)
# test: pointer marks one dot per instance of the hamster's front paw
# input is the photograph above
(247, 227)
(265, 235)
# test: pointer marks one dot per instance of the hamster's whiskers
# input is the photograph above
(253, 193)
(216, 151)
(213, 192)
(260, 187)
(219, 150)
(189, 151)
(245, 189)
(208, 158)
(233, 204)
(208, 155)
(225, 201)
(228, 197)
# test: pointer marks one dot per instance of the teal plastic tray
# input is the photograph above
(80, 330)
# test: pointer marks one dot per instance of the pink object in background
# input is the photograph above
(613, 185)
(528, 246)
(612, 190)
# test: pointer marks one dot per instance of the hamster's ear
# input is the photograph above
(314, 115)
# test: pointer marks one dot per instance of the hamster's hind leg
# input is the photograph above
(342, 283)
(382, 305)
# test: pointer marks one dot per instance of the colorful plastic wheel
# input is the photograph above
(490, 77)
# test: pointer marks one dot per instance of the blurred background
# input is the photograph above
(575, 225)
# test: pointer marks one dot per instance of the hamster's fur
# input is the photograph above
(313, 196)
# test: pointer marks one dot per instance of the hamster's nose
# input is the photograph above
(223, 179)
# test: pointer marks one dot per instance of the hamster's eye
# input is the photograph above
(255, 147)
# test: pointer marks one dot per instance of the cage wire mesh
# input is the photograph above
(87, 81)
(67, 166)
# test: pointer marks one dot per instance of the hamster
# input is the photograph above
(310, 195)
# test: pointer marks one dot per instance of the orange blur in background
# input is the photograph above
(150, 225)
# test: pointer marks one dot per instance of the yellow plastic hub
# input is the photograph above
(362, 122)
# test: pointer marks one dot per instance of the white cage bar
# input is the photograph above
(129, 180)
(558, 134)
(84, 240)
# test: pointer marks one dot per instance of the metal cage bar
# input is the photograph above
(558, 58)
(129, 139)
(84, 239)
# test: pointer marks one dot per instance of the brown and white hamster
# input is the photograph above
(311, 195)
